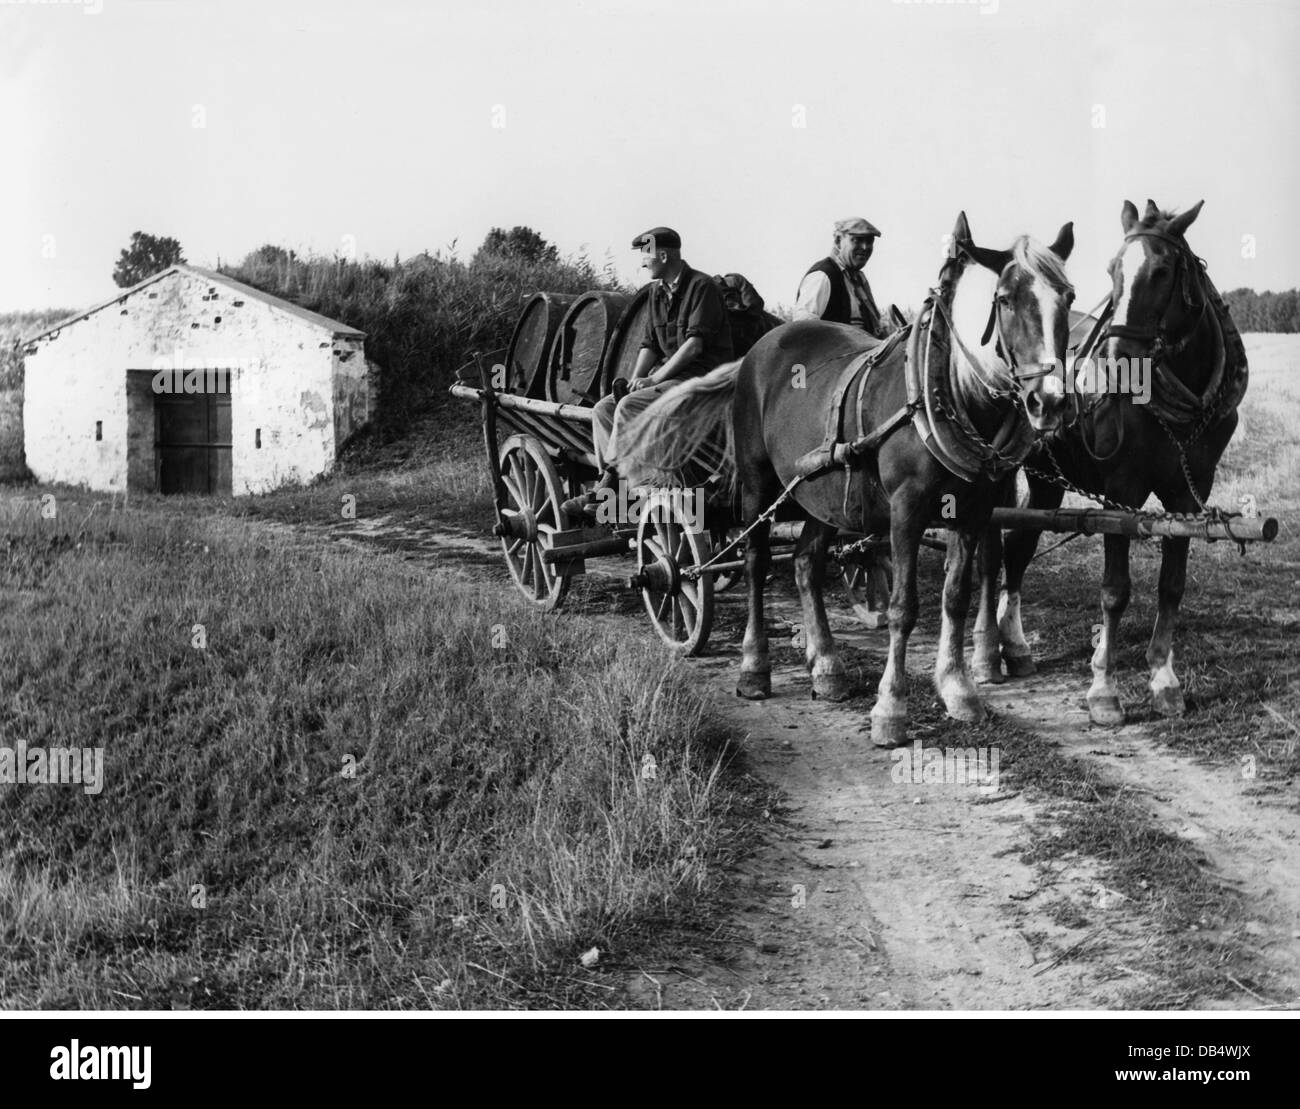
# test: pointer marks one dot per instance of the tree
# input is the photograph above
(146, 256)
(519, 242)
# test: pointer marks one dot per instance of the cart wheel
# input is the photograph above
(680, 608)
(533, 498)
(868, 585)
(726, 579)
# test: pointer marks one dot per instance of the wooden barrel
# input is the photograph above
(530, 344)
(573, 376)
(625, 343)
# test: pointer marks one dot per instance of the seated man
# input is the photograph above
(835, 289)
(686, 335)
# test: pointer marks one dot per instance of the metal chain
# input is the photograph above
(1181, 448)
(982, 443)
(1062, 482)
(694, 572)
(845, 551)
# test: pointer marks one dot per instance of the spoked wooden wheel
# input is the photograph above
(867, 585)
(680, 607)
(532, 517)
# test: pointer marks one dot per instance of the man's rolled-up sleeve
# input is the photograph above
(708, 315)
(649, 340)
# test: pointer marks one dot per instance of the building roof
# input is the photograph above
(315, 319)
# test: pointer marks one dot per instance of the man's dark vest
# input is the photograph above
(838, 308)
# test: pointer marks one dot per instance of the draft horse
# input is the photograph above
(1162, 307)
(865, 437)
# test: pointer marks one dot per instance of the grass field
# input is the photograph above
(353, 786)
(375, 787)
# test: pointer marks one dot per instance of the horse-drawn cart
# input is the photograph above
(537, 412)
(540, 453)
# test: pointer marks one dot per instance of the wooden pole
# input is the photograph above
(576, 413)
(1097, 521)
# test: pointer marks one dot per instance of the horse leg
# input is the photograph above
(951, 677)
(829, 678)
(755, 665)
(1019, 552)
(986, 666)
(1103, 698)
(889, 715)
(1166, 691)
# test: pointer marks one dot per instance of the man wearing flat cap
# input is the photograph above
(686, 335)
(836, 290)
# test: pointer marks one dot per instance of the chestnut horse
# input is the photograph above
(788, 410)
(1119, 446)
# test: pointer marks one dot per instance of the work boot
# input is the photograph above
(583, 506)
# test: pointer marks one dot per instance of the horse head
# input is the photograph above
(1156, 287)
(1029, 316)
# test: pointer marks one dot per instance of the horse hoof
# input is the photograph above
(754, 685)
(987, 673)
(1169, 701)
(832, 687)
(1106, 711)
(888, 731)
(968, 710)
(1021, 666)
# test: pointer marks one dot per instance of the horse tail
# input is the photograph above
(688, 426)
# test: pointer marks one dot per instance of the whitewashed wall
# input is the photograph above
(290, 376)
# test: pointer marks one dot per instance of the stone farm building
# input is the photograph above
(191, 382)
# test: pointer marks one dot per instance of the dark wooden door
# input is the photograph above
(193, 444)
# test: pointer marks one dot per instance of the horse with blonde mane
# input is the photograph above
(860, 436)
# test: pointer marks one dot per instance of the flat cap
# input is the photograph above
(856, 226)
(663, 238)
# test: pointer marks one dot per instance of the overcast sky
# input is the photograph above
(394, 126)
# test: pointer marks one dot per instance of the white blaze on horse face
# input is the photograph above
(1130, 265)
(1050, 307)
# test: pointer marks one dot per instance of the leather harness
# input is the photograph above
(1171, 401)
(932, 407)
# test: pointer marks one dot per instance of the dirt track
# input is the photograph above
(872, 894)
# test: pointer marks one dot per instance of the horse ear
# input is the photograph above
(1153, 210)
(995, 260)
(961, 229)
(1181, 222)
(1064, 242)
(1128, 216)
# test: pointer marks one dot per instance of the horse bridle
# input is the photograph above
(1002, 348)
(1157, 337)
